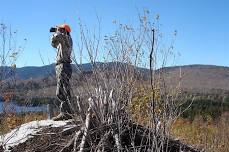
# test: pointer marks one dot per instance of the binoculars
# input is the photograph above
(53, 29)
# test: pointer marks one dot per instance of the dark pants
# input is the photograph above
(63, 90)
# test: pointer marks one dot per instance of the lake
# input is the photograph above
(18, 109)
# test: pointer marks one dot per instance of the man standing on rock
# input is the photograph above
(62, 41)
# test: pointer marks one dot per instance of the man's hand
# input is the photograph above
(56, 39)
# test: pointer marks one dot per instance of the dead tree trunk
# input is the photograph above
(107, 127)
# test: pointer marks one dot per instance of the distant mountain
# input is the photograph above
(33, 72)
(48, 70)
(198, 77)
(192, 77)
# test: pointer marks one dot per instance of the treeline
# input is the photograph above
(213, 105)
(34, 101)
(35, 84)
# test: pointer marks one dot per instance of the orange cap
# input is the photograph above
(66, 27)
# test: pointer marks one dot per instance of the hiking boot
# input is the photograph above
(62, 116)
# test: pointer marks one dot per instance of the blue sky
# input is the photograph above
(202, 25)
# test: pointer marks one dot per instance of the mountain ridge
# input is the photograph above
(192, 77)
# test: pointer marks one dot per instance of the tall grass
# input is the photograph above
(211, 135)
(10, 121)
